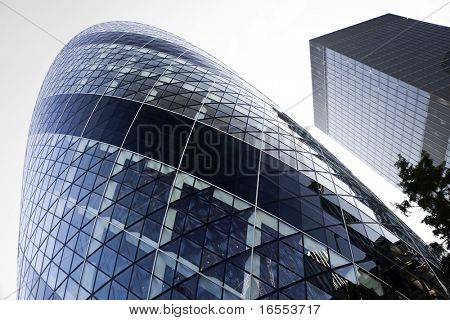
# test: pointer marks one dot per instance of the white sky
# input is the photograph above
(266, 42)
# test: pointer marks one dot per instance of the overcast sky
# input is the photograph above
(266, 42)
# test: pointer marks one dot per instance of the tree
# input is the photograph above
(439, 252)
(427, 186)
(361, 292)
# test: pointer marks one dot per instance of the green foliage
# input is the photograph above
(437, 250)
(361, 292)
(445, 263)
(427, 185)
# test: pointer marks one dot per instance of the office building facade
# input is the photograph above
(153, 171)
(382, 88)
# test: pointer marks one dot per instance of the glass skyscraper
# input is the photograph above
(153, 171)
(382, 88)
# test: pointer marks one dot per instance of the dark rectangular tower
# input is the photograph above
(382, 88)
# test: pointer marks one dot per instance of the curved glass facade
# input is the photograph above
(153, 171)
